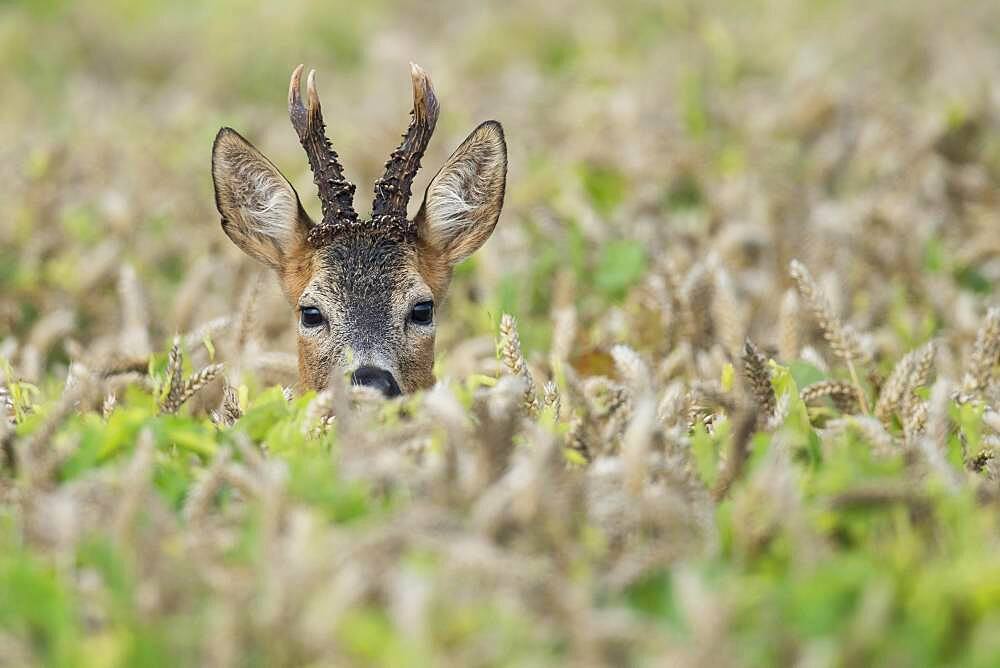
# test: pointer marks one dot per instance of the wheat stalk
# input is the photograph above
(190, 294)
(697, 294)
(197, 381)
(985, 356)
(910, 373)
(933, 444)
(135, 329)
(577, 438)
(631, 368)
(200, 495)
(869, 427)
(758, 375)
(108, 406)
(844, 396)
(564, 327)
(739, 452)
(36, 453)
(134, 486)
(513, 358)
(180, 391)
(728, 313)
(551, 398)
(229, 410)
(207, 330)
(842, 339)
(789, 336)
(781, 411)
(175, 373)
(6, 405)
(636, 443)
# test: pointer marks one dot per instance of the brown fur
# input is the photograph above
(364, 280)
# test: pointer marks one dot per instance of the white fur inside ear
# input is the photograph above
(461, 190)
(464, 198)
(264, 201)
(260, 210)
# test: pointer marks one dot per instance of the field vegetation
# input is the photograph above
(723, 388)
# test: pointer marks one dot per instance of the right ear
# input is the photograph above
(260, 210)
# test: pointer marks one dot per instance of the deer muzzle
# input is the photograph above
(379, 379)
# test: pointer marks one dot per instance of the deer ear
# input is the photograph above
(463, 200)
(260, 210)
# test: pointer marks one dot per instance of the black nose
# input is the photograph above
(380, 379)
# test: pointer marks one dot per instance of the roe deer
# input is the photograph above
(365, 290)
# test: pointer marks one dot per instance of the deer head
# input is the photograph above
(364, 292)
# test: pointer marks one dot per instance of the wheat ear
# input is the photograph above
(843, 394)
(910, 373)
(842, 339)
(179, 390)
(513, 358)
(985, 355)
(758, 376)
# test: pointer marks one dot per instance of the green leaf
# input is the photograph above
(263, 412)
(622, 265)
(36, 604)
(706, 454)
(972, 280)
(805, 374)
(653, 595)
(604, 185)
(209, 346)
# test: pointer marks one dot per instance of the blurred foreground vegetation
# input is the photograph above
(748, 413)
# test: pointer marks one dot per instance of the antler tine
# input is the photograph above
(315, 111)
(336, 193)
(296, 111)
(392, 191)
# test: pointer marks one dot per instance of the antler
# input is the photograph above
(392, 191)
(335, 192)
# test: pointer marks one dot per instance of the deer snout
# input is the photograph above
(376, 378)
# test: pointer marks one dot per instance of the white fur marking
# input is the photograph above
(264, 201)
(461, 189)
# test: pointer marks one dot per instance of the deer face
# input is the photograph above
(364, 293)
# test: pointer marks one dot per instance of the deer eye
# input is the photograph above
(422, 313)
(312, 317)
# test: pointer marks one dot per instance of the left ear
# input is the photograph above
(463, 201)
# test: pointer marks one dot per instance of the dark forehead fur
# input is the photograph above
(367, 266)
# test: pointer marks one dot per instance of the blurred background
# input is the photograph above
(858, 136)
